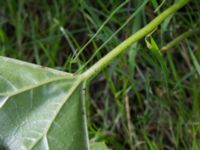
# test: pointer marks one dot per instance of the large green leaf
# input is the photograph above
(40, 108)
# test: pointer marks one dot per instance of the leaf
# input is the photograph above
(98, 146)
(195, 61)
(40, 108)
(152, 45)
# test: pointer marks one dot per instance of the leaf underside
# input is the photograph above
(40, 108)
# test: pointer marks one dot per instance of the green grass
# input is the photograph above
(162, 91)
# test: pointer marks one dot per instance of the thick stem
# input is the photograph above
(102, 63)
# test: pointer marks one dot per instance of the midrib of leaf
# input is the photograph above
(64, 100)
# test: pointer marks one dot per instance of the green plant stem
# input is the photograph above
(178, 39)
(102, 63)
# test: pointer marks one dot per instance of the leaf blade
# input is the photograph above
(48, 115)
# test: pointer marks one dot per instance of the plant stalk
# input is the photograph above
(102, 63)
(179, 39)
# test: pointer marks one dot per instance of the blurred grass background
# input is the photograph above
(142, 100)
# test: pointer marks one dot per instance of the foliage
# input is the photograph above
(164, 109)
(40, 108)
